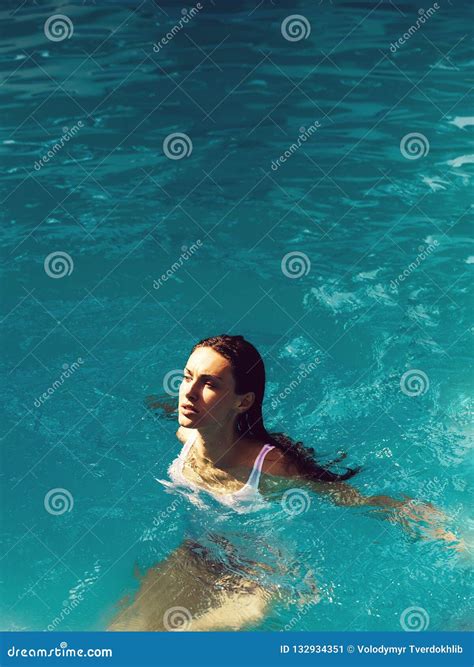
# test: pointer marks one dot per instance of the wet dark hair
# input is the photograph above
(249, 374)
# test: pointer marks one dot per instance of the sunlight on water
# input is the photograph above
(346, 261)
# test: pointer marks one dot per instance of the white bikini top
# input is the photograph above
(248, 498)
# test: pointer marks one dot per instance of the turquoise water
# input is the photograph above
(358, 209)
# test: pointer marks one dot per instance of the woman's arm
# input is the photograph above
(416, 517)
(407, 512)
(276, 463)
(342, 493)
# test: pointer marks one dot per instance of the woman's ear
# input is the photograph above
(246, 402)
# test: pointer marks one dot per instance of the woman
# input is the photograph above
(229, 454)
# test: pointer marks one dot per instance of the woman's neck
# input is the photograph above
(218, 445)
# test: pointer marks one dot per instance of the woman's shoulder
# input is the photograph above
(277, 463)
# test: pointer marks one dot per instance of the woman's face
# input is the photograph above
(207, 393)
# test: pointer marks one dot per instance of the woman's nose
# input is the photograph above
(190, 391)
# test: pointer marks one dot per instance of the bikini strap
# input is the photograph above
(254, 478)
(187, 445)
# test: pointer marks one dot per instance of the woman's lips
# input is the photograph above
(188, 409)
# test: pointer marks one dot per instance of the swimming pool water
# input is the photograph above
(384, 269)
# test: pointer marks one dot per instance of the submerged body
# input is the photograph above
(210, 594)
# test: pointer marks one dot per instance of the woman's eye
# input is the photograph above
(210, 384)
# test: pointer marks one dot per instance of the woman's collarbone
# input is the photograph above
(216, 479)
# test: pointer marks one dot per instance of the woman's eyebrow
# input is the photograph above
(211, 377)
(204, 375)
